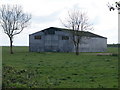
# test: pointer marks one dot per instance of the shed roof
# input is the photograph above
(51, 30)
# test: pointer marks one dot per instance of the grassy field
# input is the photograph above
(26, 69)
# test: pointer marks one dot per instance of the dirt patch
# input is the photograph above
(101, 54)
(106, 54)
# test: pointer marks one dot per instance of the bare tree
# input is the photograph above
(77, 21)
(114, 6)
(13, 21)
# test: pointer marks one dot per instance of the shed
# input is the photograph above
(55, 39)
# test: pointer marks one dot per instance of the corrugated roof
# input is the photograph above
(51, 30)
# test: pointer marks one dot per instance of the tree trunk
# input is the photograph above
(11, 51)
(77, 49)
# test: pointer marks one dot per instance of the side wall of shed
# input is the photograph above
(51, 42)
(93, 44)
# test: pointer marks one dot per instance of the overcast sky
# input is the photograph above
(47, 13)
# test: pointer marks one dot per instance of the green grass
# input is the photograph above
(25, 69)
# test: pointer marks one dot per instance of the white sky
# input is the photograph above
(47, 13)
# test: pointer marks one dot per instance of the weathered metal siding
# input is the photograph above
(51, 42)
(54, 42)
(65, 45)
(93, 44)
(36, 45)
